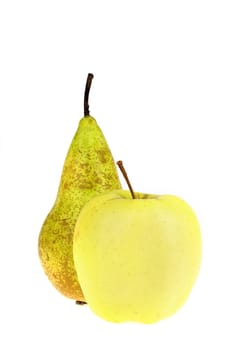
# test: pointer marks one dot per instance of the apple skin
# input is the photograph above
(136, 259)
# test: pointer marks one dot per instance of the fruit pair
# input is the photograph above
(135, 255)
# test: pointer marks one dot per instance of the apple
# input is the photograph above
(136, 258)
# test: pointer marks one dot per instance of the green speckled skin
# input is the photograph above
(89, 169)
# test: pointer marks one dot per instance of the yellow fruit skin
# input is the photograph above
(137, 260)
(89, 169)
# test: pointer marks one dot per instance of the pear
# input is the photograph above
(89, 169)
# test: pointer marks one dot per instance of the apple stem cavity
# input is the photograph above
(124, 173)
(86, 94)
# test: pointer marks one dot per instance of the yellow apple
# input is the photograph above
(136, 259)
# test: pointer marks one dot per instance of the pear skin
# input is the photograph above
(89, 169)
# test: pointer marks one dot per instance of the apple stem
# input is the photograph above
(124, 173)
(86, 94)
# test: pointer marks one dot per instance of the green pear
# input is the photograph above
(89, 169)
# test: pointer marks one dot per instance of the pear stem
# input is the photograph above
(86, 94)
(124, 173)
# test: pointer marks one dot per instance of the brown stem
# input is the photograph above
(124, 173)
(86, 94)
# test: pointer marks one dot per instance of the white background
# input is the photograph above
(162, 94)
